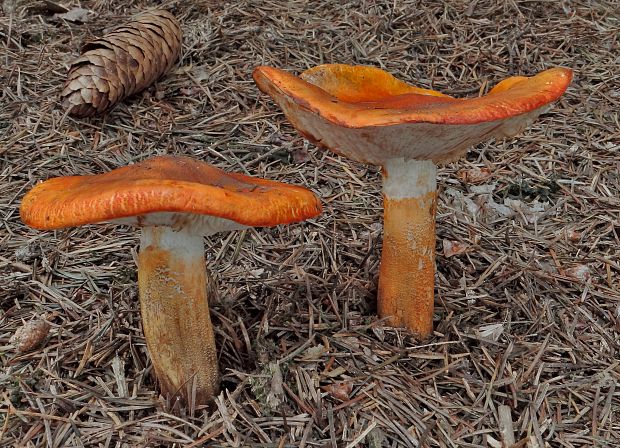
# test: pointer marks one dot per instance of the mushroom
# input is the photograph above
(368, 115)
(176, 201)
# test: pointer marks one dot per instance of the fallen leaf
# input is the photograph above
(379, 333)
(498, 209)
(491, 331)
(452, 248)
(340, 390)
(335, 372)
(462, 203)
(314, 353)
(300, 155)
(474, 175)
(276, 391)
(572, 235)
(352, 342)
(579, 272)
(77, 15)
(531, 212)
(190, 91)
(484, 189)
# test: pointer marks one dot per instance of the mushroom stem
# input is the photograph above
(175, 313)
(407, 272)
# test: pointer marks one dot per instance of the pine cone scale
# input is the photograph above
(145, 48)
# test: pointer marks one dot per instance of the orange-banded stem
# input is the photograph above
(407, 272)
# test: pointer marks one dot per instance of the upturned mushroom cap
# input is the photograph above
(366, 114)
(166, 190)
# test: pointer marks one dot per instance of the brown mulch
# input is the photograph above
(526, 349)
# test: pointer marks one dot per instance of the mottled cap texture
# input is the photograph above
(166, 184)
(123, 62)
(368, 115)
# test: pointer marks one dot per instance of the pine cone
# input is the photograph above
(121, 63)
(30, 335)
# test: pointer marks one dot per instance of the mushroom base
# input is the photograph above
(175, 314)
(407, 272)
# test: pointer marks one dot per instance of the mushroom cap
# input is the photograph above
(368, 115)
(167, 190)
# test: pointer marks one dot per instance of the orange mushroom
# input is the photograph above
(368, 115)
(175, 200)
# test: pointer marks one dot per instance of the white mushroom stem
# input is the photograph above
(407, 273)
(175, 312)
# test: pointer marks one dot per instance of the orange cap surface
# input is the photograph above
(166, 184)
(368, 115)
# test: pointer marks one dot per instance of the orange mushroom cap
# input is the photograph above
(166, 184)
(368, 115)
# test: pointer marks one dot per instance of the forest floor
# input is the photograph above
(526, 347)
